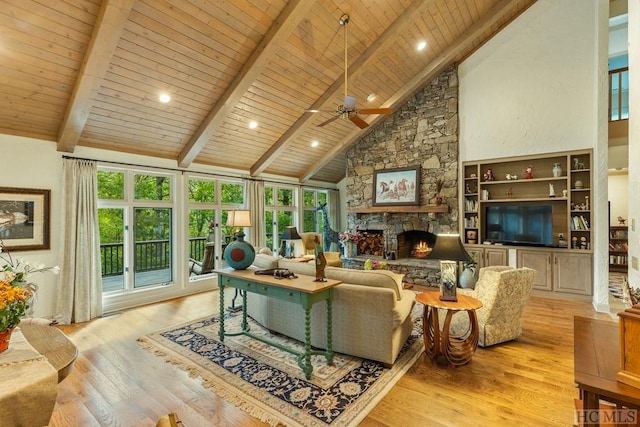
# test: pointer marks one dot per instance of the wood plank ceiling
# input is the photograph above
(89, 73)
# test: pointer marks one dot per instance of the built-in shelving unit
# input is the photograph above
(618, 248)
(562, 180)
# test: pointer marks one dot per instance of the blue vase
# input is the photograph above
(239, 254)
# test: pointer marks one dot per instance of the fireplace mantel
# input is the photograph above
(398, 209)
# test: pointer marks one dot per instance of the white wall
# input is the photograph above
(540, 86)
(36, 164)
(618, 198)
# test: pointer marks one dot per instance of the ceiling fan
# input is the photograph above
(348, 108)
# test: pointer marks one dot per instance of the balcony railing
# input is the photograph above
(619, 94)
(150, 255)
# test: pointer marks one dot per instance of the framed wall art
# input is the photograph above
(24, 218)
(396, 187)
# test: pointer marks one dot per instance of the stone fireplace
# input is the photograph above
(423, 132)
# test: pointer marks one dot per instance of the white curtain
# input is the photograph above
(256, 205)
(334, 214)
(80, 295)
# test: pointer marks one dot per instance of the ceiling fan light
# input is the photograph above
(349, 102)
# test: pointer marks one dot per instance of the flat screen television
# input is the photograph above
(519, 224)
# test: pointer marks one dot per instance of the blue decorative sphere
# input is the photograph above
(239, 254)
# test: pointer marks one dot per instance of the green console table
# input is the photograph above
(303, 290)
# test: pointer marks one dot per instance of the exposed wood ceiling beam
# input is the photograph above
(109, 26)
(359, 66)
(443, 60)
(282, 27)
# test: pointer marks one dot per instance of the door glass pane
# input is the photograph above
(110, 185)
(308, 198)
(285, 197)
(202, 241)
(322, 198)
(152, 257)
(268, 196)
(202, 191)
(232, 194)
(309, 221)
(111, 222)
(152, 187)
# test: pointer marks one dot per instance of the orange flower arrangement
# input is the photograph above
(13, 305)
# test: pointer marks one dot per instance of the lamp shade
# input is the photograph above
(448, 247)
(290, 233)
(239, 218)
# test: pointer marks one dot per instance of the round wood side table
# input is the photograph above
(456, 349)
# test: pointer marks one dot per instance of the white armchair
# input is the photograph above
(503, 291)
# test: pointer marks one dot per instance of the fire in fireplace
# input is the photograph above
(415, 244)
(421, 250)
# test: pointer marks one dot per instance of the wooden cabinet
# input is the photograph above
(486, 256)
(618, 245)
(540, 261)
(558, 270)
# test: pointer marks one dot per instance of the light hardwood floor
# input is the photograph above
(527, 382)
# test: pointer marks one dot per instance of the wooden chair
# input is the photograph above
(206, 265)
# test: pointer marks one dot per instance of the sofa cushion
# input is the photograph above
(377, 278)
(265, 262)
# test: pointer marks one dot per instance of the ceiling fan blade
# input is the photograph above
(358, 121)
(326, 122)
(349, 103)
(375, 110)
(319, 111)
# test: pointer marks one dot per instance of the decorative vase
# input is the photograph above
(349, 249)
(557, 170)
(239, 254)
(5, 336)
(467, 278)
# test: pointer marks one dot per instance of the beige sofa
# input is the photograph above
(504, 292)
(371, 312)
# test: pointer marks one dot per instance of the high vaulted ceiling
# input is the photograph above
(89, 73)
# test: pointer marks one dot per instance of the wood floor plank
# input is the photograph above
(526, 382)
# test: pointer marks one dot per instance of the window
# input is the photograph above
(209, 202)
(280, 212)
(135, 215)
(312, 218)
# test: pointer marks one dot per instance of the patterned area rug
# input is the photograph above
(268, 384)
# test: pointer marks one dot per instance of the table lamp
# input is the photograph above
(239, 254)
(449, 250)
(289, 233)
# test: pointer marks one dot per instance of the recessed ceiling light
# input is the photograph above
(315, 143)
(253, 124)
(371, 97)
(421, 45)
(164, 98)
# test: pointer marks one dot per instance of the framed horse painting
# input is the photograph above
(396, 187)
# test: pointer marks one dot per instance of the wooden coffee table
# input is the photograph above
(456, 349)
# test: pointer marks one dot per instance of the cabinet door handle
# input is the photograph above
(265, 289)
(290, 294)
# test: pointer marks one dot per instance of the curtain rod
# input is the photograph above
(248, 178)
